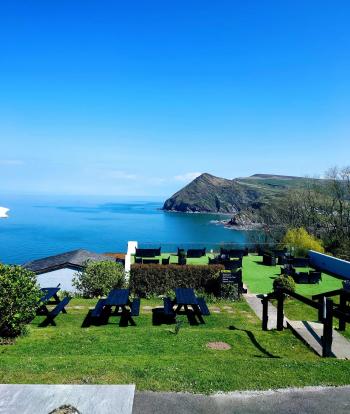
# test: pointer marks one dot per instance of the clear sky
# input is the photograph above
(136, 98)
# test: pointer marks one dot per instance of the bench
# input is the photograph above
(135, 307)
(96, 313)
(203, 306)
(52, 314)
(168, 307)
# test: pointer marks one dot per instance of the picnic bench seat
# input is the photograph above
(168, 307)
(203, 306)
(96, 313)
(52, 314)
(135, 307)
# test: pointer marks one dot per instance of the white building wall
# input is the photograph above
(63, 277)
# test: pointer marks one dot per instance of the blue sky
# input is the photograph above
(136, 98)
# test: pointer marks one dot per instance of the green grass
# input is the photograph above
(259, 278)
(174, 259)
(154, 358)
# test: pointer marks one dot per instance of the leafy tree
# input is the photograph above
(98, 278)
(19, 296)
(302, 241)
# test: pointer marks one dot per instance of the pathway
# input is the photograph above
(87, 399)
(310, 400)
(311, 333)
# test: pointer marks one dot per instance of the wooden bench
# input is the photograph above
(203, 306)
(52, 314)
(96, 313)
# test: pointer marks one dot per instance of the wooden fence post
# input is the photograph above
(327, 337)
(280, 314)
(342, 308)
(265, 317)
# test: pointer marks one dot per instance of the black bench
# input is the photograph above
(195, 253)
(203, 306)
(56, 311)
(168, 307)
(147, 252)
(135, 307)
(96, 313)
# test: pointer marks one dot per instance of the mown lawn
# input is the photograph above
(154, 358)
(174, 258)
(259, 278)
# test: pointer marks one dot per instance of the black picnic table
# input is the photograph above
(50, 297)
(185, 297)
(118, 298)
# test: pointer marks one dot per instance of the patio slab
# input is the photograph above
(88, 399)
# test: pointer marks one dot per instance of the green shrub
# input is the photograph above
(153, 279)
(284, 282)
(19, 296)
(98, 278)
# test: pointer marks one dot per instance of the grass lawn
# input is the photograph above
(154, 358)
(259, 278)
(174, 258)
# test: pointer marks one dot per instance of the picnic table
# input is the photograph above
(50, 297)
(120, 300)
(185, 297)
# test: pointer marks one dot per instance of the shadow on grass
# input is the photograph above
(160, 318)
(125, 319)
(254, 342)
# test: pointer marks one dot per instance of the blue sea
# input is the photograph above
(43, 226)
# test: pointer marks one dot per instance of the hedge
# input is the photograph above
(154, 279)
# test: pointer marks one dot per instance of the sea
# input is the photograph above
(40, 226)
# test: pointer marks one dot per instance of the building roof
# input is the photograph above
(75, 259)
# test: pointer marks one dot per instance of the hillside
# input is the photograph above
(208, 193)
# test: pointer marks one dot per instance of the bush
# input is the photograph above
(146, 280)
(302, 241)
(284, 282)
(98, 278)
(19, 296)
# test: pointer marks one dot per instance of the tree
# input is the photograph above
(302, 241)
(98, 278)
(19, 296)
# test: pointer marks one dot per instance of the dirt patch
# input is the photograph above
(221, 346)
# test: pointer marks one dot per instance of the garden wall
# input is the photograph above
(330, 264)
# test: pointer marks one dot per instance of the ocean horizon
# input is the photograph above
(40, 226)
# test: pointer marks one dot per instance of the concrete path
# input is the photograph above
(311, 333)
(87, 399)
(254, 301)
(310, 400)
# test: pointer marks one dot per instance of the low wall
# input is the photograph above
(330, 264)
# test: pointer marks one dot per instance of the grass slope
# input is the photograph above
(154, 358)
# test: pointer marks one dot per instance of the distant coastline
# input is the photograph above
(3, 212)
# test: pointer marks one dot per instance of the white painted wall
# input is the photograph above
(132, 246)
(62, 276)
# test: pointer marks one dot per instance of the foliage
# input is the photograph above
(151, 279)
(302, 241)
(284, 282)
(230, 291)
(19, 296)
(98, 278)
